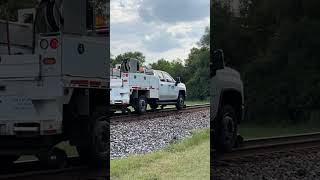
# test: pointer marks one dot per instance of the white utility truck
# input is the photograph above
(137, 86)
(227, 103)
(54, 87)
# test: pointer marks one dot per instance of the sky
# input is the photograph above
(157, 28)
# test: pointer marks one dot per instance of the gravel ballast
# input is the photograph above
(283, 166)
(140, 137)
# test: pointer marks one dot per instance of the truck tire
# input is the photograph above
(180, 102)
(96, 152)
(154, 106)
(141, 105)
(226, 128)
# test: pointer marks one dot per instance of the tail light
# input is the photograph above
(49, 61)
(54, 43)
(44, 44)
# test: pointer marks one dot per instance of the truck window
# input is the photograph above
(167, 77)
(160, 75)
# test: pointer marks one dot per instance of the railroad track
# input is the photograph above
(33, 170)
(263, 146)
(158, 113)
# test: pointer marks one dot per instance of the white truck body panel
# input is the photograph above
(32, 92)
(17, 66)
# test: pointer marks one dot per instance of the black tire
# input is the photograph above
(96, 153)
(154, 106)
(141, 105)
(180, 102)
(226, 129)
(54, 158)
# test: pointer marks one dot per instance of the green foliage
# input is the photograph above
(274, 44)
(136, 55)
(11, 7)
(174, 68)
(195, 70)
(186, 159)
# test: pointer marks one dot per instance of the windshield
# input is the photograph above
(115, 73)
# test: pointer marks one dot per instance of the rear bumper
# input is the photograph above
(23, 128)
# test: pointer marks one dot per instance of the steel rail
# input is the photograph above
(261, 146)
(158, 113)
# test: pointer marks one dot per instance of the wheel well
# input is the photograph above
(135, 94)
(233, 98)
(183, 93)
(83, 103)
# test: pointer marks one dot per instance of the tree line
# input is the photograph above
(274, 44)
(193, 71)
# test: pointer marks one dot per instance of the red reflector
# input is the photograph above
(49, 61)
(54, 43)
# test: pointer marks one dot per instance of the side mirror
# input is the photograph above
(178, 80)
(217, 61)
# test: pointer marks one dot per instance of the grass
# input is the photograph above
(188, 159)
(258, 131)
(195, 102)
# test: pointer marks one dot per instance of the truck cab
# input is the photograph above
(169, 88)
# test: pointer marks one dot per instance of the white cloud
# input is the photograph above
(157, 35)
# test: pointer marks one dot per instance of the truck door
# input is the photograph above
(163, 87)
(172, 88)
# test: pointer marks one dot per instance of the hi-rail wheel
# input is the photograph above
(54, 158)
(153, 105)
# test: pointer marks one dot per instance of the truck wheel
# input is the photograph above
(153, 106)
(96, 152)
(54, 158)
(180, 102)
(141, 105)
(227, 128)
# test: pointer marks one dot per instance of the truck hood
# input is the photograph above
(232, 71)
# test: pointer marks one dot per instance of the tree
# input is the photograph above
(274, 45)
(175, 68)
(136, 55)
(205, 39)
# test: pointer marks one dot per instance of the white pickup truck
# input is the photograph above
(133, 85)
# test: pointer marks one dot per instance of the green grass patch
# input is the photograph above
(187, 159)
(257, 131)
(196, 102)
